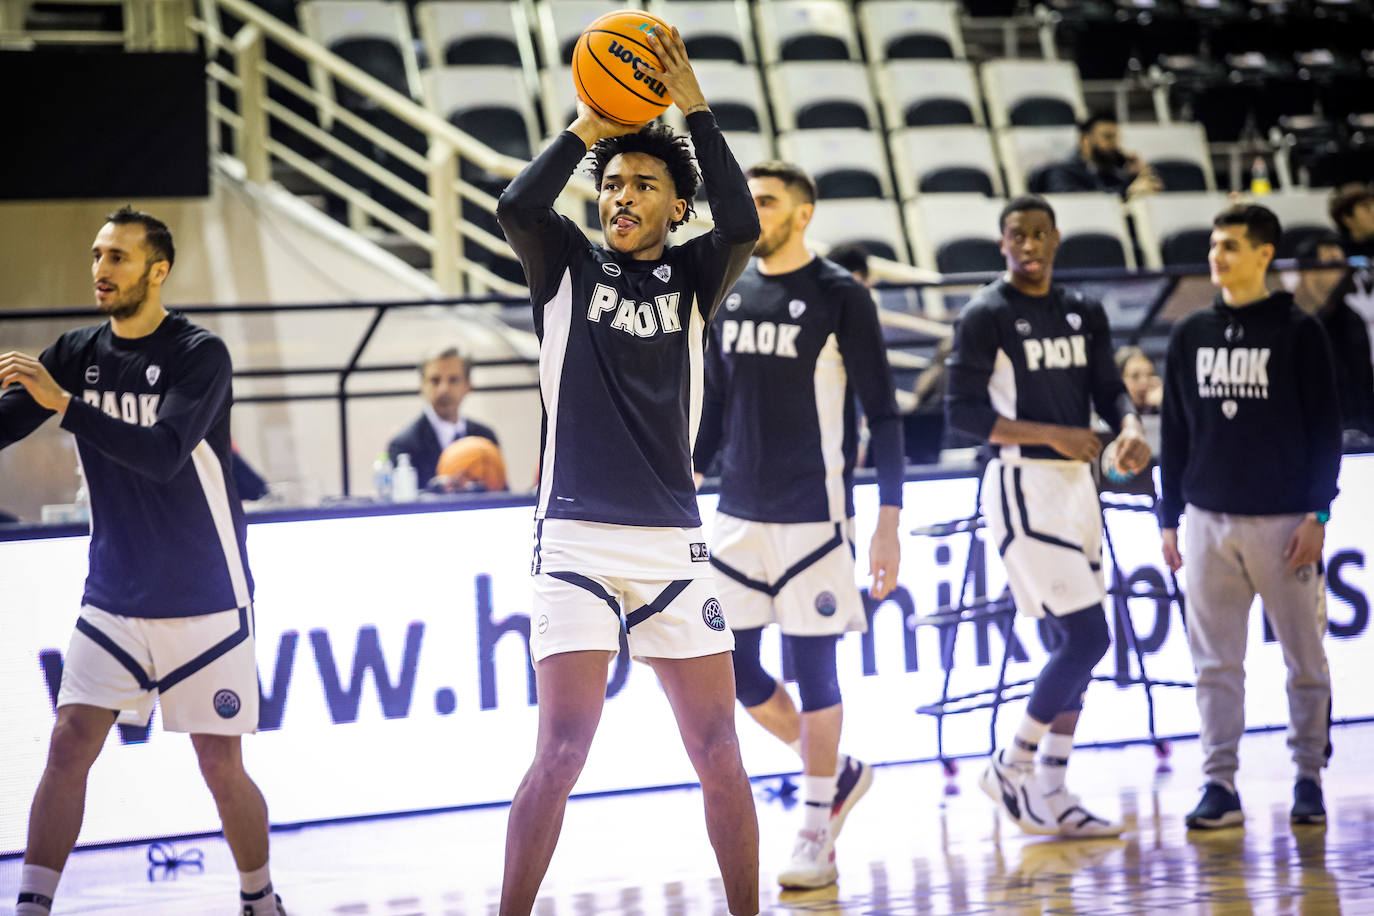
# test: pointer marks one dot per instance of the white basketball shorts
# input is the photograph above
(1046, 522)
(799, 575)
(202, 670)
(593, 582)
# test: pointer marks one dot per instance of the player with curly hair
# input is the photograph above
(622, 327)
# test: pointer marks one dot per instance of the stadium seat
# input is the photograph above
(806, 30)
(1200, 90)
(821, 94)
(844, 162)
(945, 159)
(486, 103)
(561, 23)
(559, 99)
(1275, 88)
(1302, 213)
(736, 94)
(902, 29)
(458, 32)
(373, 35)
(874, 224)
(1092, 232)
(711, 29)
(1177, 152)
(1173, 229)
(956, 233)
(1026, 151)
(1032, 93)
(928, 93)
(750, 149)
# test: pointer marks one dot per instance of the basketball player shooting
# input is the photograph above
(618, 541)
(797, 343)
(1030, 361)
(167, 614)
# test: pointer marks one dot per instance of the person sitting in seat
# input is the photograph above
(1100, 165)
(445, 380)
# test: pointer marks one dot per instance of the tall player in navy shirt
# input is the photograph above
(797, 339)
(621, 330)
(167, 614)
(1030, 362)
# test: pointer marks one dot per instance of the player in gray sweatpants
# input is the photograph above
(1250, 457)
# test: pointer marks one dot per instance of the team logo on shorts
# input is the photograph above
(153, 373)
(227, 704)
(1023, 327)
(826, 604)
(543, 624)
(1229, 408)
(712, 614)
(795, 308)
(92, 374)
(663, 272)
(1305, 573)
(1074, 320)
(699, 552)
(610, 269)
(732, 301)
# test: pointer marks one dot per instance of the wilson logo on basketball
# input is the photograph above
(616, 49)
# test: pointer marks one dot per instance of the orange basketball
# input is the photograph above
(603, 67)
(473, 460)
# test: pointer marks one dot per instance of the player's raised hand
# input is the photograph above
(677, 73)
(591, 127)
(1076, 443)
(21, 369)
(884, 554)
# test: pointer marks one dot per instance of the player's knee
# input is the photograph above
(818, 682)
(220, 765)
(753, 685)
(716, 755)
(1088, 636)
(74, 746)
(560, 761)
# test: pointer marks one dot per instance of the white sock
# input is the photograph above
(257, 894)
(818, 797)
(1027, 740)
(37, 887)
(796, 746)
(1054, 760)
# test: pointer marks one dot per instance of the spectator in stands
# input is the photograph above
(1100, 165)
(1142, 382)
(1352, 212)
(445, 379)
(1321, 292)
(853, 257)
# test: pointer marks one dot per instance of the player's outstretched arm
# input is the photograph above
(21, 412)
(189, 407)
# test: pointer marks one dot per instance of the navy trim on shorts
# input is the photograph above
(1025, 519)
(583, 582)
(209, 656)
(665, 598)
(109, 645)
(1006, 511)
(538, 548)
(796, 569)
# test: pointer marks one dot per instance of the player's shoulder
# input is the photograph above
(986, 301)
(1087, 305)
(832, 276)
(190, 338)
(78, 339)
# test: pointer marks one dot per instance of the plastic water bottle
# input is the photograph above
(405, 484)
(382, 478)
(1259, 177)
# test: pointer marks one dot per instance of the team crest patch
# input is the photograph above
(1305, 573)
(1074, 319)
(699, 552)
(227, 704)
(610, 270)
(543, 624)
(153, 373)
(1023, 327)
(663, 272)
(1233, 333)
(1229, 408)
(732, 301)
(92, 374)
(826, 604)
(795, 308)
(712, 614)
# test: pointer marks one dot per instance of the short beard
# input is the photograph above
(768, 245)
(127, 306)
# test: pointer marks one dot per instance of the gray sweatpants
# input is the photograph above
(1227, 559)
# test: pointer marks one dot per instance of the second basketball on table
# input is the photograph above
(604, 71)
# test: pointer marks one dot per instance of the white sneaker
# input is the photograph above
(853, 781)
(1063, 808)
(1007, 783)
(813, 861)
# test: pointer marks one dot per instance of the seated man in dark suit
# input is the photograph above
(445, 379)
(1101, 165)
